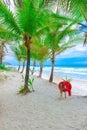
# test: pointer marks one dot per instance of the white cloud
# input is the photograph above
(76, 51)
(81, 48)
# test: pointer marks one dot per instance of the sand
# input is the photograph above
(39, 110)
(79, 86)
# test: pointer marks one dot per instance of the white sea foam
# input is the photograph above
(74, 73)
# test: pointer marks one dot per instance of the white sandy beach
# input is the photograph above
(42, 109)
(79, 86)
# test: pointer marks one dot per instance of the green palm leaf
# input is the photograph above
(6, 34)
(76, 8)
(8, 19)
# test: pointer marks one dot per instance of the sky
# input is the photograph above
(72, 57)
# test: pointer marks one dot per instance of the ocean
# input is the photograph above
(71, 63)
(77, 73)
(72, 73)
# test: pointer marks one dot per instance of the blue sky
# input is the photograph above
(77, 51)
(73, 57)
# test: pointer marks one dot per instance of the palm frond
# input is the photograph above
(8, 19)
(76, 8)
(6, 34)
(26, 16)
(17, 52)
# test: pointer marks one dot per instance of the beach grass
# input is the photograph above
(3, 67)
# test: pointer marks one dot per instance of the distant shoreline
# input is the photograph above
(72, 73)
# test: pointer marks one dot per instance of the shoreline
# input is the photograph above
(79, 88)
(60, 71)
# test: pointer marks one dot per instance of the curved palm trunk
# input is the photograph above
(19, 67)
(1, 53)
(0, 59)
(85, 40)
(41, 69)
(23, 67)
(52, 70)
(2, 46)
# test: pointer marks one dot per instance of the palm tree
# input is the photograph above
(17, 53)
(78, 10)
(39, 53)
(1, 50)
(53, 41)
(23, 55)
(5, 37)
(26, 23)
(42, 56)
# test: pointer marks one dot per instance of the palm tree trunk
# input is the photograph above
(27, 43)
(41, 69)
(52, 70)
(23, 67)
(0, 59)
(19, 67)
(27, 70)
(1, 53)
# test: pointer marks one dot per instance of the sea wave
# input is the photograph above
(82, 71)
(72, 73)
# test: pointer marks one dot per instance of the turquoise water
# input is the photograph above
(72, 72)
